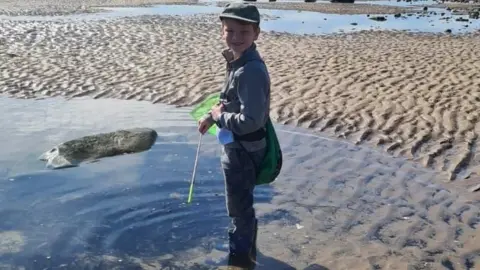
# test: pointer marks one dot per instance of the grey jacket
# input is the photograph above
(246, 97)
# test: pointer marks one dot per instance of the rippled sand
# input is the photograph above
(413, 95)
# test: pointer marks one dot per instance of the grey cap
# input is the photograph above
(242, 12)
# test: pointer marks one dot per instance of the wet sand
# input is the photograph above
(335, 205)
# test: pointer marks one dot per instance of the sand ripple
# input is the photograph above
(413, 95)
(368, 211)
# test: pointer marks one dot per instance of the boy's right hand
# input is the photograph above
(204, 125)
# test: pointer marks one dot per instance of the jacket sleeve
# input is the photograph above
(252, 87)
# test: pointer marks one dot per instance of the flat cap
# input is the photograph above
(242, 12)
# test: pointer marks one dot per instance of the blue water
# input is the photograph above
(319, 23)
(296, 22)
(129, 206)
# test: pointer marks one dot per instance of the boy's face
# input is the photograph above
(239, 36)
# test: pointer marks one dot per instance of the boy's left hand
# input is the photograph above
(217, 111)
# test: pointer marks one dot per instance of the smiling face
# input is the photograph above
(239, 35)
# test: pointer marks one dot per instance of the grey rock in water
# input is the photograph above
(89, 148)
(378, 18)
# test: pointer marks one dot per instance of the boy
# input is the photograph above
(243, 110)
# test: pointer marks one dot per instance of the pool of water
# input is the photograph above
(129, 206)
(295, 22)
(319, 23)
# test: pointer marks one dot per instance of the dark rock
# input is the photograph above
(448, 31)
(343, 1)
(272, 0)
(425, 8)
(354, 23)
(461, 19)
(442, 14)
(89, 148)
(378, 18)
(310, 1)
(398, 15)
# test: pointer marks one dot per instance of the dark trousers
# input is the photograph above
(239, 168)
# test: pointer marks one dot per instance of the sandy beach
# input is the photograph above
(413, 96)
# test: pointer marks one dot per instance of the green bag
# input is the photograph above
(273, 160)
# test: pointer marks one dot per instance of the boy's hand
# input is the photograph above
(216, 111)
(204, 125)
